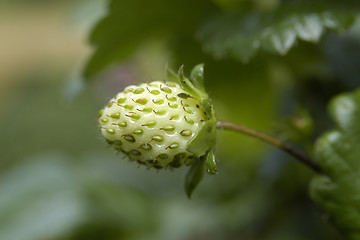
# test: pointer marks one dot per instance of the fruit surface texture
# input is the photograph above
(153, 123)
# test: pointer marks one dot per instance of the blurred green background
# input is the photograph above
(59, 180)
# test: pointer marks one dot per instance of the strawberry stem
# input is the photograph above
(271, 140)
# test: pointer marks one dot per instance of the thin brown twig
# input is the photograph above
(271, 140)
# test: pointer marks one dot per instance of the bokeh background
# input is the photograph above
(60, 181)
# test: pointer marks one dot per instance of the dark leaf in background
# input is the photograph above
(130, 23)
(241, 36)
(338, 153)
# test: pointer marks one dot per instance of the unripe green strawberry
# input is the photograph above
(160, 124)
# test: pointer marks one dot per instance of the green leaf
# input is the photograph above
(238, 36)
(194, 175)
(338, 153)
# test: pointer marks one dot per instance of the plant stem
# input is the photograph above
(271, 140)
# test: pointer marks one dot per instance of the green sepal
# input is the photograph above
(211, 163)
(209, 108)
(171, 76)
(197, 76)
(194, 86)
(188, 86)
(204, 140)
(194, 175)
(181, 74)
